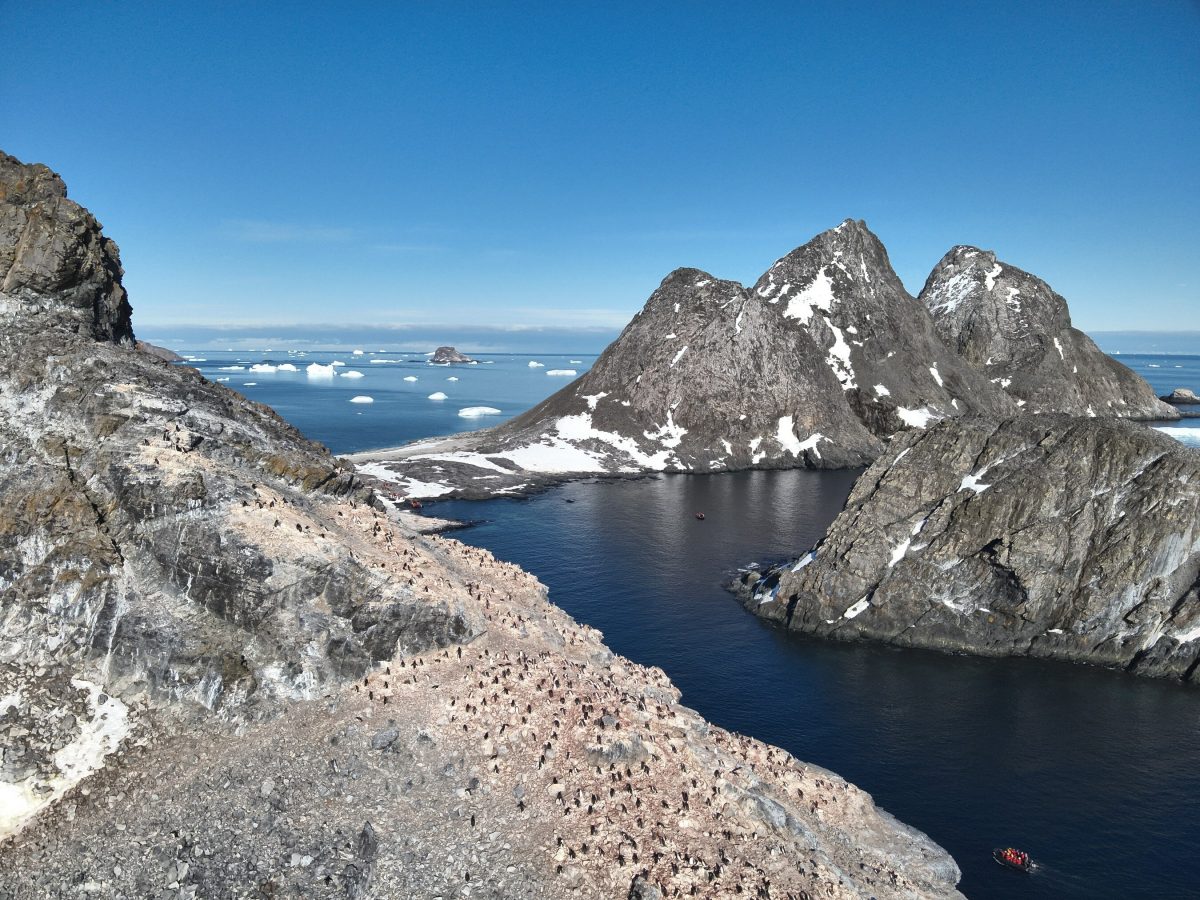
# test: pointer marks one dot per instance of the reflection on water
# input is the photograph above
(1097, 774)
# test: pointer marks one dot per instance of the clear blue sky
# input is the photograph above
(469, 165)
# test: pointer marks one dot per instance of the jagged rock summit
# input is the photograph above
(1067, 538)
(1014, 328)
(57, 270)
(444, 356)
(229, 668)
(877, 339)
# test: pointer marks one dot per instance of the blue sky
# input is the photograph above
(506, 171)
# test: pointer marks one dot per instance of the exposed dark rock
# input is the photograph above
(57, 271)
(448, 355)
(160, 352)
(877, 339)
(1069, 538)
(1011, 326)
(1183, 396)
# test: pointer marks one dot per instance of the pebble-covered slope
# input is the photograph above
(1015, 329)
(1068, 538)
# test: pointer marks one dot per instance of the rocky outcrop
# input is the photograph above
(444, 356)
(226, 668)
(1181, 396)
(875, 337)
(1067, 538)
(1011, 326)
(57, 271)
(159, 352)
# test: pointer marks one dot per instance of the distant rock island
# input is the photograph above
(818, 365)
(231, 667)
(160, 352)
(1048, 536)
(1182, 396)
(448, 355)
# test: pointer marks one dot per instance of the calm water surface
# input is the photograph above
(1097, 774)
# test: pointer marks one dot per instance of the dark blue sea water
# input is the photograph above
(1096, 773)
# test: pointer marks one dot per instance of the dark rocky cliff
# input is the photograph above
(1016, 330)
(1069, 538)
(56, 268)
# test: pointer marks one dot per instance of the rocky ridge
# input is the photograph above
(1013, 327)
(444, 356)
(228, 668)
(1066, 538)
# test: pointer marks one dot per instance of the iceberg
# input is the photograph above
(571, 372)
(351, 374)
(438, 395)
(410, 377)
(263, 367)
(316, 370)
(474, 412)
(534, 364)
(362, 399)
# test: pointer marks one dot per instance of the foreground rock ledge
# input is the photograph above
(1048, 536)
(228, 668)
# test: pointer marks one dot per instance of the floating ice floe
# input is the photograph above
(351, 374)
(410, 377)
(534, 364)
(472, 412)
(287, 367)
(263, 367)
(575, 361)
(337, 362)
(316, 370)
(561, 372)
(438, 395)
(226, 378)
(452, 378)
(249, 384)
(232, 368)
(362, 398)
(357, 353)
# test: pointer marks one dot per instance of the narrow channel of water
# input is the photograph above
(1096, 773)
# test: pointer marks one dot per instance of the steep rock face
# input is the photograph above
(1070, 538)
(159, 352)
(273, 687)
(1011, 326)
(704, 379)
(56, 268)
(880, 342)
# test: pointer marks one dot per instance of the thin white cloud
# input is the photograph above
(260, 231)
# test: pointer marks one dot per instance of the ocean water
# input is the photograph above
(1095, 773)
(401, 410)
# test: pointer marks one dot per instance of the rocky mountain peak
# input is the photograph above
(1013, 327)
(58, 272)
(878, 341)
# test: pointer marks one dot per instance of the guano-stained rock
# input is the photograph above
(205, 619)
